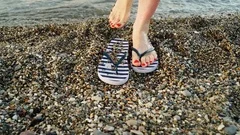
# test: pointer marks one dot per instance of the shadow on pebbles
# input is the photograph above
(49, 84)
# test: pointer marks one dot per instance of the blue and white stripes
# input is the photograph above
(108, 72)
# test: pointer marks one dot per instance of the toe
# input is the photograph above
(135, 59)
(143, 62)
(115, 20)
(121, 21)
(136, 62)
(155, 56)
(151, 59)
(111, 17)
(148, 60)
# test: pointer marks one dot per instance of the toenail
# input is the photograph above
(150, 61)
(118, 24)
(136, 61)
(147, 63)
(111, 26)
(143, 64)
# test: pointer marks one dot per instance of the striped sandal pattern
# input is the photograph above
(115, 72)
(148, 69)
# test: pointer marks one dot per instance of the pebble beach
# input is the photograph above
(49, 83)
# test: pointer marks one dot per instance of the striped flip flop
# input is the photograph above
(148, 69)
(113, 67)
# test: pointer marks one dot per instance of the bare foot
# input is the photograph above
(142, 44)
(120, 13)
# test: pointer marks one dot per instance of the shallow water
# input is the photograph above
(25, 12)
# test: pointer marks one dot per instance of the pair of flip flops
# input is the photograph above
(113, 68)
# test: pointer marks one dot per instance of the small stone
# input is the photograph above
(230, 130)
(71, 99)
(96, 98)
(186, 93)
(15, 117)
(131, 122)
(141, 128)
(108, 128)
(220, 127)
(176, 118)
(1, 102)
(97, 132)
(49, 127)
(126, 133)
(206, 118)
(27, 133)
(148, 105)
(136, 132)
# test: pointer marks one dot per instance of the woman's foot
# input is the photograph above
(120, 13)
(142, 44)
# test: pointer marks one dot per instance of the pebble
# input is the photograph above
(148, 105)
(108, 128)
(15, 117)
(136, 132)
(131, 122)
(27, 133)
(96, 98)
(186, 93)
(176, 118)
(71, 99)
(220, 127)
(97, 132)
(126, 133)
(141, 128)
(230, 130)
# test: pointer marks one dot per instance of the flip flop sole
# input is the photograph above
(106, 71)
(147, 69)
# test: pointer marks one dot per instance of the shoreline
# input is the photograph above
(49, 84)
(131, 19)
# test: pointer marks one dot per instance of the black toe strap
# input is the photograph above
(144, 53)
(118, 62)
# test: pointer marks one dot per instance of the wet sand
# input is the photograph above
(49, 84)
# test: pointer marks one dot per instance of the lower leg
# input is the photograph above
(146, 9)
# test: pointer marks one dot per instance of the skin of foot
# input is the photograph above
(142, 44)
(120, 13)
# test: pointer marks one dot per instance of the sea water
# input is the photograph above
(27, 12)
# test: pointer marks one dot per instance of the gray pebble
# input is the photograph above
(27, 133)
(126, 133)
(131, 122)
(136, 132)
(97, 132)
(230, 130)
(176, 118)
(186, 93)
(15, 117)
(108, 128)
